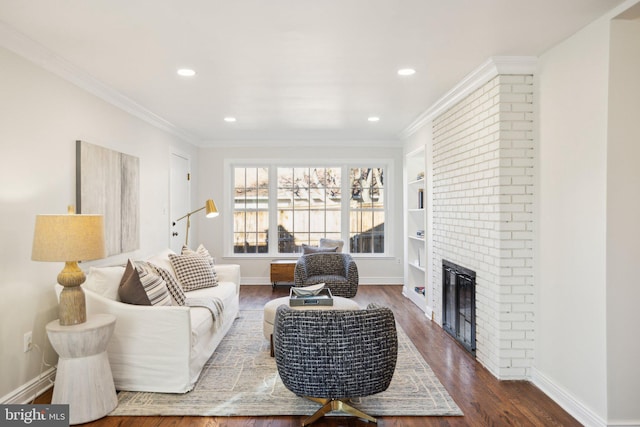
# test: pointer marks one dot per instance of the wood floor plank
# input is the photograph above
(484, 400)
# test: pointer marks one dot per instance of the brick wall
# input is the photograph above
(483, 215)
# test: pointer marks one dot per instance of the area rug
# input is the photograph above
(241, 379)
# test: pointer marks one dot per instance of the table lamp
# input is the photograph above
(211, 211)
(69, 238)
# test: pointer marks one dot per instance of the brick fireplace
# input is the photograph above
(483, 187)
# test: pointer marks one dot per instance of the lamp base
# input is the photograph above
(72, 309)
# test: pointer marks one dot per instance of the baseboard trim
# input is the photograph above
(624, 423)
(567, 401)
(26, 393)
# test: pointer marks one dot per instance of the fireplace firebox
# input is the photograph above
(459, 304)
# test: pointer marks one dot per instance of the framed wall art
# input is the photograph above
(108, 183)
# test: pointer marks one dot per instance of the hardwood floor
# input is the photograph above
(484, 400)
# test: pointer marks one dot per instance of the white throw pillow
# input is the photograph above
(202, 251)
(161, 260)
(105, 281)
(332, 243)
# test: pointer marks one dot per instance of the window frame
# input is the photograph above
(273, 164)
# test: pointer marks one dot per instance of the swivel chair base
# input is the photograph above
(329, 405)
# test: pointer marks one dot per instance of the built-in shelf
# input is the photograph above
(415, 271)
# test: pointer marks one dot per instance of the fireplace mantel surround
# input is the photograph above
(482, 188)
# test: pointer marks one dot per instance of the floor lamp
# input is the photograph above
(211, 211)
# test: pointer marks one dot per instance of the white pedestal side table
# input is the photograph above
(84, 379)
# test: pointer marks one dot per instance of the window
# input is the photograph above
(250, 210)
(366, 210)
(309, 206)
(296, 205)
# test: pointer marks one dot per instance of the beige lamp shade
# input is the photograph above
(68, 238)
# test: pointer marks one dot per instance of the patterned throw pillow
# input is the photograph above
(141, 286)
(193, 271)
(172, 285)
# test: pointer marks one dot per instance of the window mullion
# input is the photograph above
(345, 203)
(273, 211)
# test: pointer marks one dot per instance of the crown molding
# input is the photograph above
(33, 51)
(301, 143)
(491, 68)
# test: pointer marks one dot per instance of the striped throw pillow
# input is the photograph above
(172, 285)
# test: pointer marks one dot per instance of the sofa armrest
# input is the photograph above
(229, 273)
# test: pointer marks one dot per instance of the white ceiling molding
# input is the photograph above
(29, 49)
(298, 143)
(491, 68)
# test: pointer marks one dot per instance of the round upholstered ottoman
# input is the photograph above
(339, 303)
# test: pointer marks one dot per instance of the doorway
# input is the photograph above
(179, 198)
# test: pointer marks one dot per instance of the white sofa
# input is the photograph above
(161, 348)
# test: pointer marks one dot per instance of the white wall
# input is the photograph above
(256, 271)
(623, 223)
(587, 218)
(41, 116)
(571, 284)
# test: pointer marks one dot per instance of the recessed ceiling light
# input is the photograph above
(374, 119)
(186, 72)
(406, 72)
(229, 119)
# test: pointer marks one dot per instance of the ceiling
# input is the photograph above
(288, 70)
